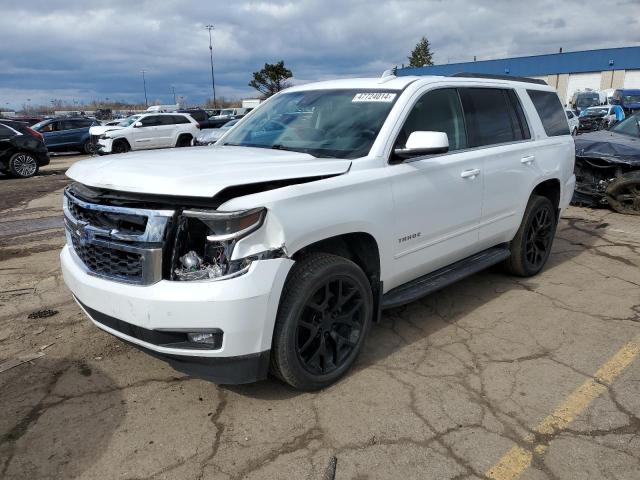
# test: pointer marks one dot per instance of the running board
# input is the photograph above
(438, 279)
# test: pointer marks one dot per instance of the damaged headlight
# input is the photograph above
(205, 240)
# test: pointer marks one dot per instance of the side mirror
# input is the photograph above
(424, 143)
(138, 124)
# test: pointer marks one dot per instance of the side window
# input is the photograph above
(550, 109)
(151, 121)
(437, 111)
(180, 119)
(519, 121)
(492, 116)
(6, 132)
(70, 124)
(50, 127)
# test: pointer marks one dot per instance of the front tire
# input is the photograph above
(324, 316)
(23, 165)
(531, 246)
(120, 146)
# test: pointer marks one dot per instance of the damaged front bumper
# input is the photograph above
(158, 317)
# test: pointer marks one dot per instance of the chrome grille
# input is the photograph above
(119, 243)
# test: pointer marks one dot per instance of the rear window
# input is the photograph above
(493, 115)
(551, 112)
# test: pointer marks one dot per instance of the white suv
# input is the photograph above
(276, 249)
(146, 131)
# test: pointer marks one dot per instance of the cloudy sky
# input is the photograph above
(86, 50)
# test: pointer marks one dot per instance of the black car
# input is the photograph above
(607, 167)
(22, 149)
(203, 118)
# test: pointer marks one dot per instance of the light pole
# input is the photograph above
(173, 89)
(213, 82)
(144, 83)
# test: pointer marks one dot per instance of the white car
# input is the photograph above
(209, 136)
(146, 131)
(573, 121)
(277, 248)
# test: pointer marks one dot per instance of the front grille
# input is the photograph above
(108, 262)
(125, 223)
(124, 244)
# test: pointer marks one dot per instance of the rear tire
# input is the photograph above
(531, 246)
(23, 165)
(323, 319)
(183, 141)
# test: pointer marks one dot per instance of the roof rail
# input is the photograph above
(499, 77)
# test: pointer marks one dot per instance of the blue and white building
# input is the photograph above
(603, 69)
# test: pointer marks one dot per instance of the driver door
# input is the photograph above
(147, 136)
(437, 198)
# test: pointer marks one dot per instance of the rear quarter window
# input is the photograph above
(551, 112)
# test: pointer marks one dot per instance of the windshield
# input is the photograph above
(129, 120)
(630, 126)
(230, 124)
(323, 123)
(227, 111)
(631, 98)
(587, 100)
(595, 111)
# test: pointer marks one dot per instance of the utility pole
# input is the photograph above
(144, 82)
(173, 89)
(213, 82)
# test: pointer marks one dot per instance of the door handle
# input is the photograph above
(470, 173)
(528, 160)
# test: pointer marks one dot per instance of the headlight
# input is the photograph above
(205, 240)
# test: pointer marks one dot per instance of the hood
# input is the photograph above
(199, 172)
(610, 146)
(100, 129)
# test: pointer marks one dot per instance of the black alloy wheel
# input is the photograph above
(539, 237)
(23, 165)
(330, 326)
(531, 247)
(325, 313)
(120, 146)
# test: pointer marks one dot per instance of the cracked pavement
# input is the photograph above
(444, 388)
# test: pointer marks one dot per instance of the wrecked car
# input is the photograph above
(275, 249)
(599, 118)
(607, 167)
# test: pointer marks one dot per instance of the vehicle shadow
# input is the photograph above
(58, 418)
(404, 326)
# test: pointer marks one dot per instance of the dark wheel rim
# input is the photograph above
(119, 148)
(89, 147)
(25, 165)
(538, 238)
(330, 326)
(626, 198)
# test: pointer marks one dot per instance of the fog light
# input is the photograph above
(206, 338)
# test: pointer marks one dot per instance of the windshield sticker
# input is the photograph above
(374, 97)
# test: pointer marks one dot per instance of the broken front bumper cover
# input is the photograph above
(242, 308)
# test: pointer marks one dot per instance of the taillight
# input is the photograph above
(35, 134)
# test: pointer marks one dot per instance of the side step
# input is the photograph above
(438, 279)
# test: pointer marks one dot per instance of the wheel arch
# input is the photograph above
(550, 189)
(359, 247)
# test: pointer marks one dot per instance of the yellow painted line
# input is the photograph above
(517, 459)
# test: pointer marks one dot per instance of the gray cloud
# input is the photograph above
(93, 50)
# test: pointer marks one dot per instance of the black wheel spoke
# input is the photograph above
(329, 329)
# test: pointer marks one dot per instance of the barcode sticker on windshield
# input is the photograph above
(374, 97)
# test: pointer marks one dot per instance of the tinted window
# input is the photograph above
(6, 132)
(437, 111)
(70, 124)
(550, 110)
(152, 121)
(492, 116)
(569, 115)
(180, 119)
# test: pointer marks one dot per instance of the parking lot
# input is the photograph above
(493, 377)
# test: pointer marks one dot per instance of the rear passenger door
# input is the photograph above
(498, 128)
